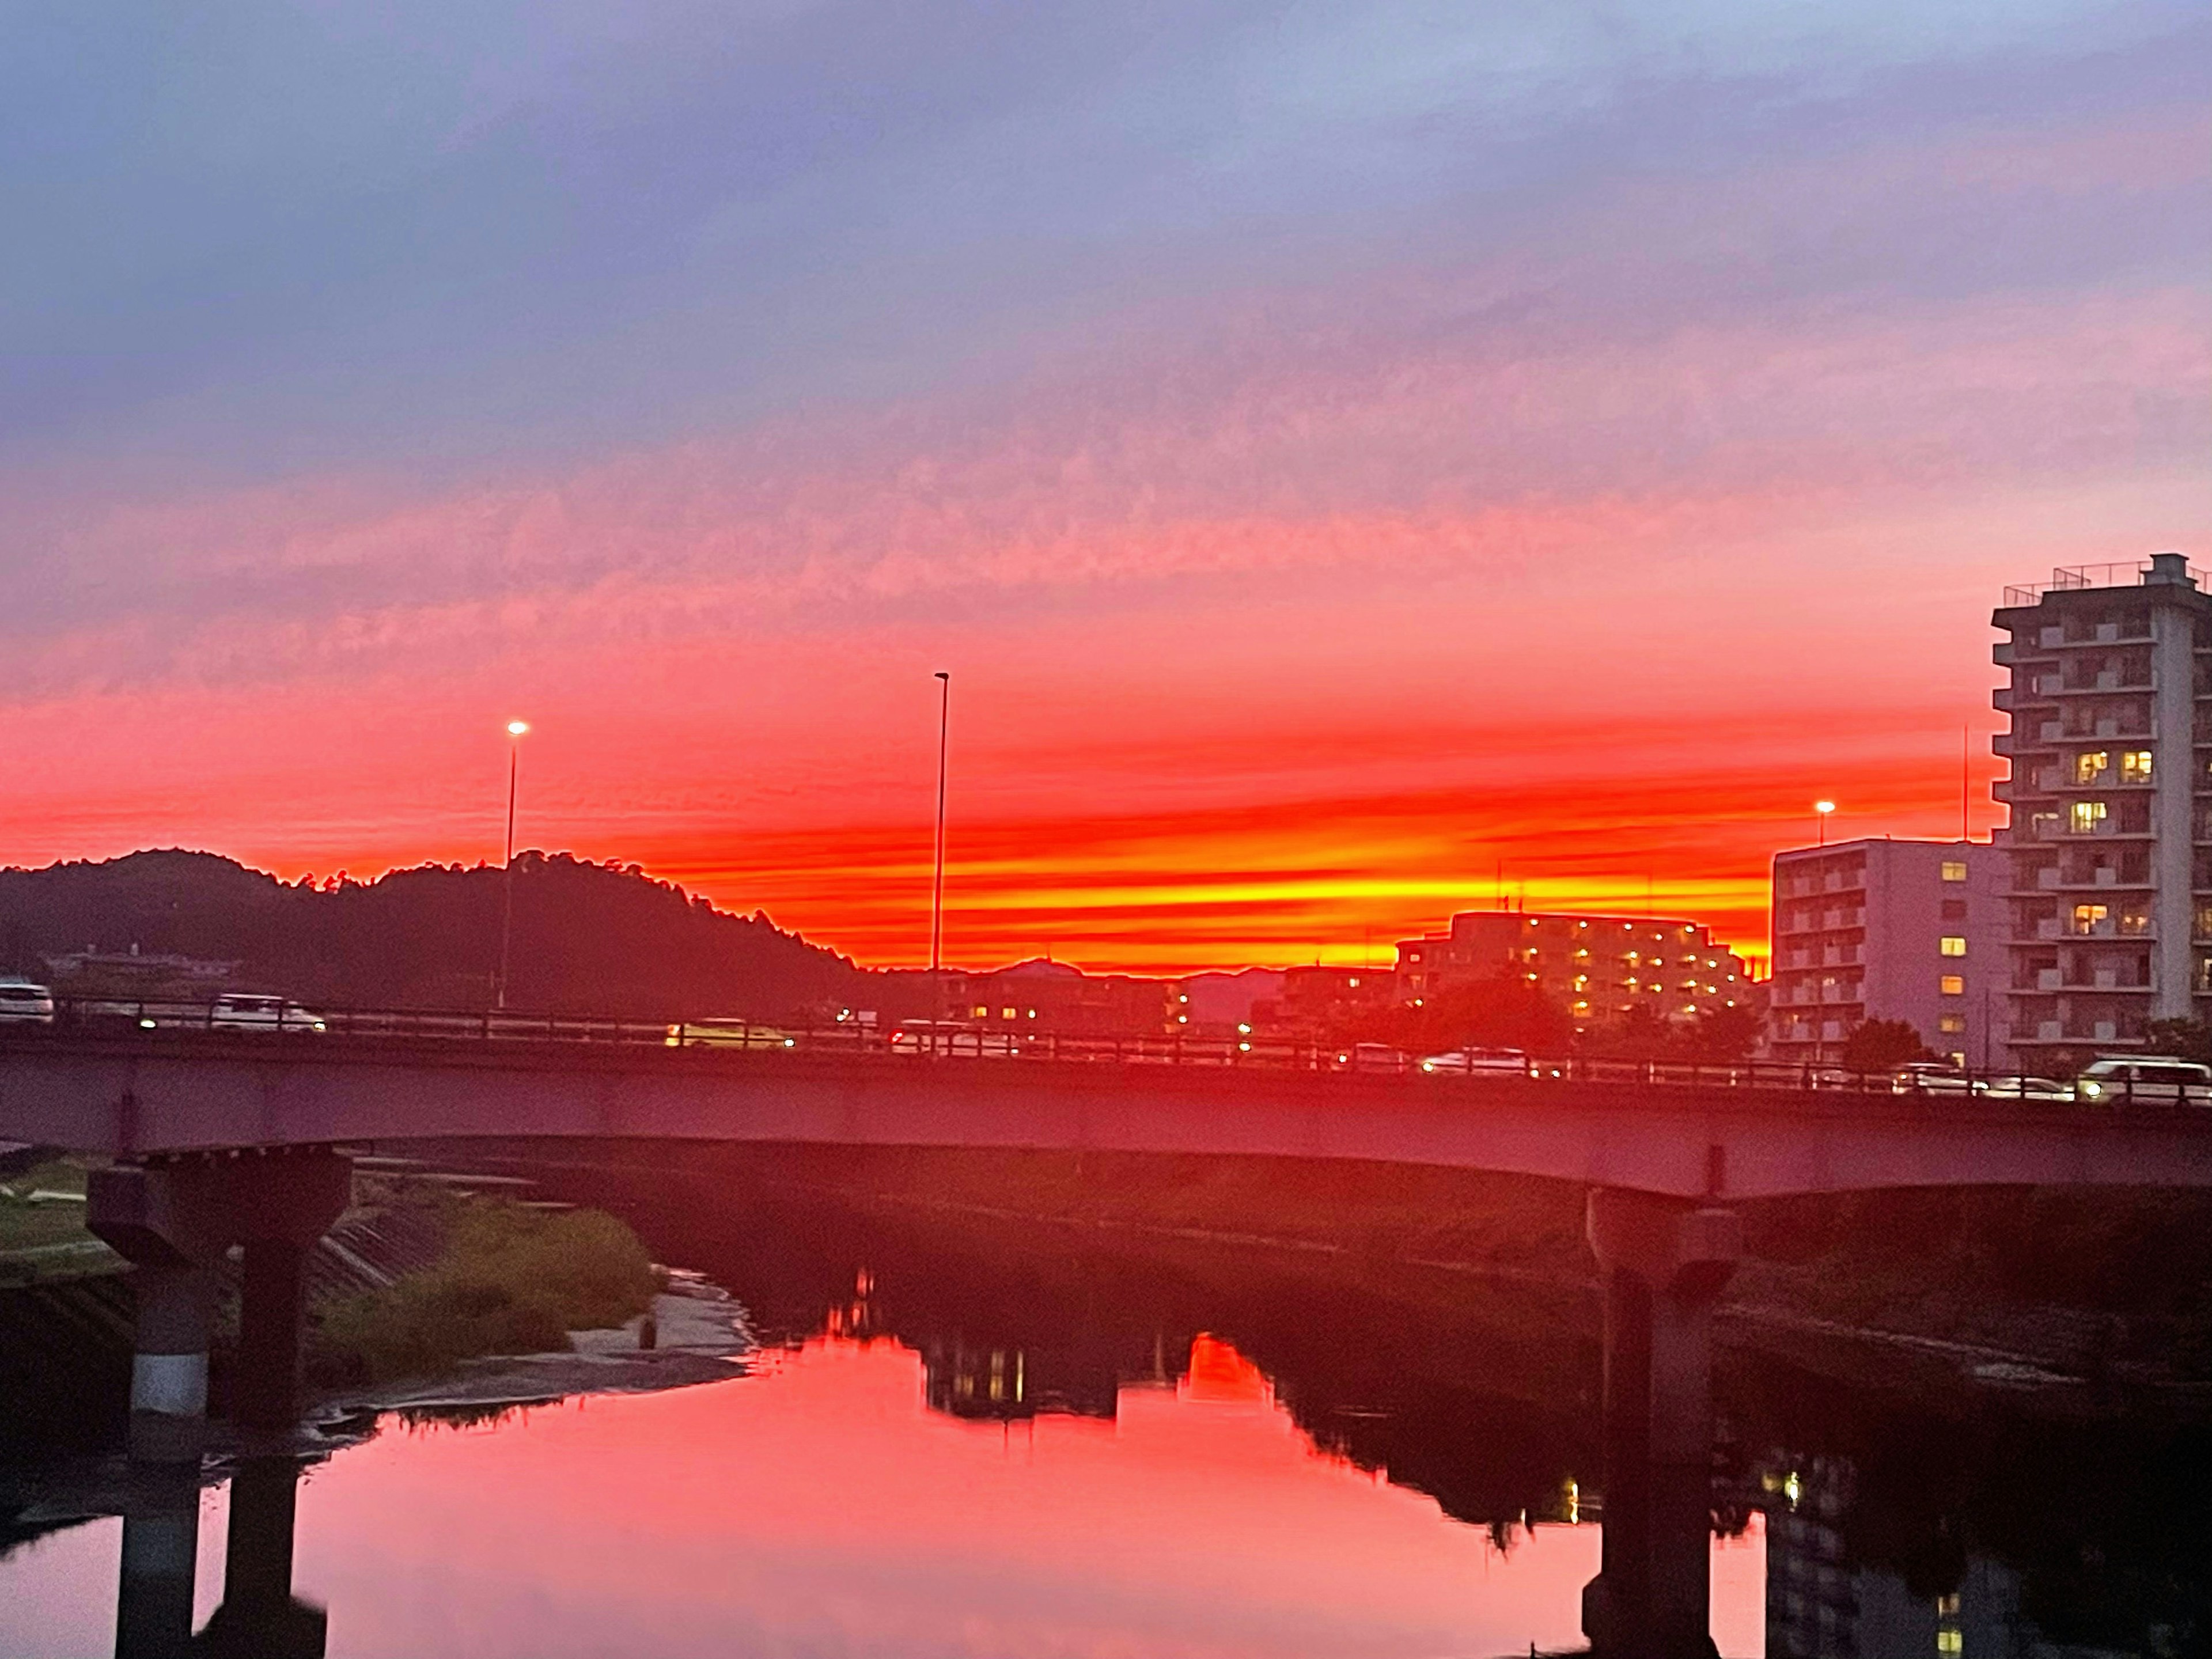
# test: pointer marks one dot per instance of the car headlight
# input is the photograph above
(2091, 1090)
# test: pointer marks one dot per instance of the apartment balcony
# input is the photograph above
(2107, 927)
(2104, 879)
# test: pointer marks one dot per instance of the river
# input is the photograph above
(978, 1442)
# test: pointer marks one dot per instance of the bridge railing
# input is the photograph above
(280, 1020)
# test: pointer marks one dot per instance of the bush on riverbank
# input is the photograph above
(511, 1280)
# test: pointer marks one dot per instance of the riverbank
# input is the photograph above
(2088, 1302)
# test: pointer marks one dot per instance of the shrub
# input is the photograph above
(512, 1280)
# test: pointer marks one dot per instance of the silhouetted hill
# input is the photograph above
(587, 937)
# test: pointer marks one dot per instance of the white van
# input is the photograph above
(22, 1003)
(238, 1011)
(2118, 1079)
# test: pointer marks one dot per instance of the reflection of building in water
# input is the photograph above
(1820, 1605)
(1011, 1384)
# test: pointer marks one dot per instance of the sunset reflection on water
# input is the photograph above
(819, 1507)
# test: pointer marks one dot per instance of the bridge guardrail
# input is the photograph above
(126, 1018)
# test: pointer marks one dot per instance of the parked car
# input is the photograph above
(728, 1034)
(22, 1003)
(2122, 1078)
(238, 1011)
(1369, 1057)
(1501, 1062)
(1929, 1077)
(948, 1036)
(2022, 1088)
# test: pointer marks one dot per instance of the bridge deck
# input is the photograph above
(202, 1092)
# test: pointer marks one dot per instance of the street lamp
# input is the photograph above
(937, 882)
(1820, 810)
(515, 731)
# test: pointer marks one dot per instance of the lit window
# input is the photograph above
(1952, 1024)
(2086, 815)
(1954, 985)
(982, 1012)
(1006, 1013)
(2090, 765)
(1955, 869)
(2134, 766)
(2088, 917)
(1952, 944)
(1950, 1641)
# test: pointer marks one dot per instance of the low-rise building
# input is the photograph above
(1892, 930)
(1600, 968)
(1046, 996)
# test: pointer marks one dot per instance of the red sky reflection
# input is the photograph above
(819, 1510)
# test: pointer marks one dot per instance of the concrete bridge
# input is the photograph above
(237, 1143)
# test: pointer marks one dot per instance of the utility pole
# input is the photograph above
(515, 731)
(936, 884)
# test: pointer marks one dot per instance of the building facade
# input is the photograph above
(2111, 922)
(1600, 968)
(1910, 930)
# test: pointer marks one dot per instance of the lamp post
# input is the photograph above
(515, 731)
(1821, 809)
(937, 881)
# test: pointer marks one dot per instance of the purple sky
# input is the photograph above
(1337, 449)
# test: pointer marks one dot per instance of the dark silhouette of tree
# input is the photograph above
(1502, 1012)
(1876, 1045)
(1721, 1035)
(2189, 1039)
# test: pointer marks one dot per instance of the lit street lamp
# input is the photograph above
(515, 731)
(1820, 810)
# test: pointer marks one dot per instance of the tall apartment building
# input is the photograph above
(2111, 898)
(1598, 967)
(1910, 930)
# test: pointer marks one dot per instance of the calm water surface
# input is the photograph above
(821, 1508)
(974, 1446)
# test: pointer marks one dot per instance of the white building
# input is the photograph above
(1910, 930)
(2111, 899)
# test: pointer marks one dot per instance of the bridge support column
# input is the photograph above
(160, 1560)
(175, 1221)
(260, 1618)
(1663, 1263)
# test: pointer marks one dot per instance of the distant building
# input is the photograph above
(1048, 996)
(1910, 930)
(1320, 1001)
(1215, 1003)
(1599, 967)
(2111, 896)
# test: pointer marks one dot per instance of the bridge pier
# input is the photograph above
(175, 1220)
(260, 1618)
(1663, 1262)
(160, 1562)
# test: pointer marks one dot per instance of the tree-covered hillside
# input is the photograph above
(587, 937)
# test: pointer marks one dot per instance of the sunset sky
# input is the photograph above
(1338, 450)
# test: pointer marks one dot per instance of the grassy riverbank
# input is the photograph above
(511, 1279)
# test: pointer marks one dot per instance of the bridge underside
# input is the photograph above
(137, 1098)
